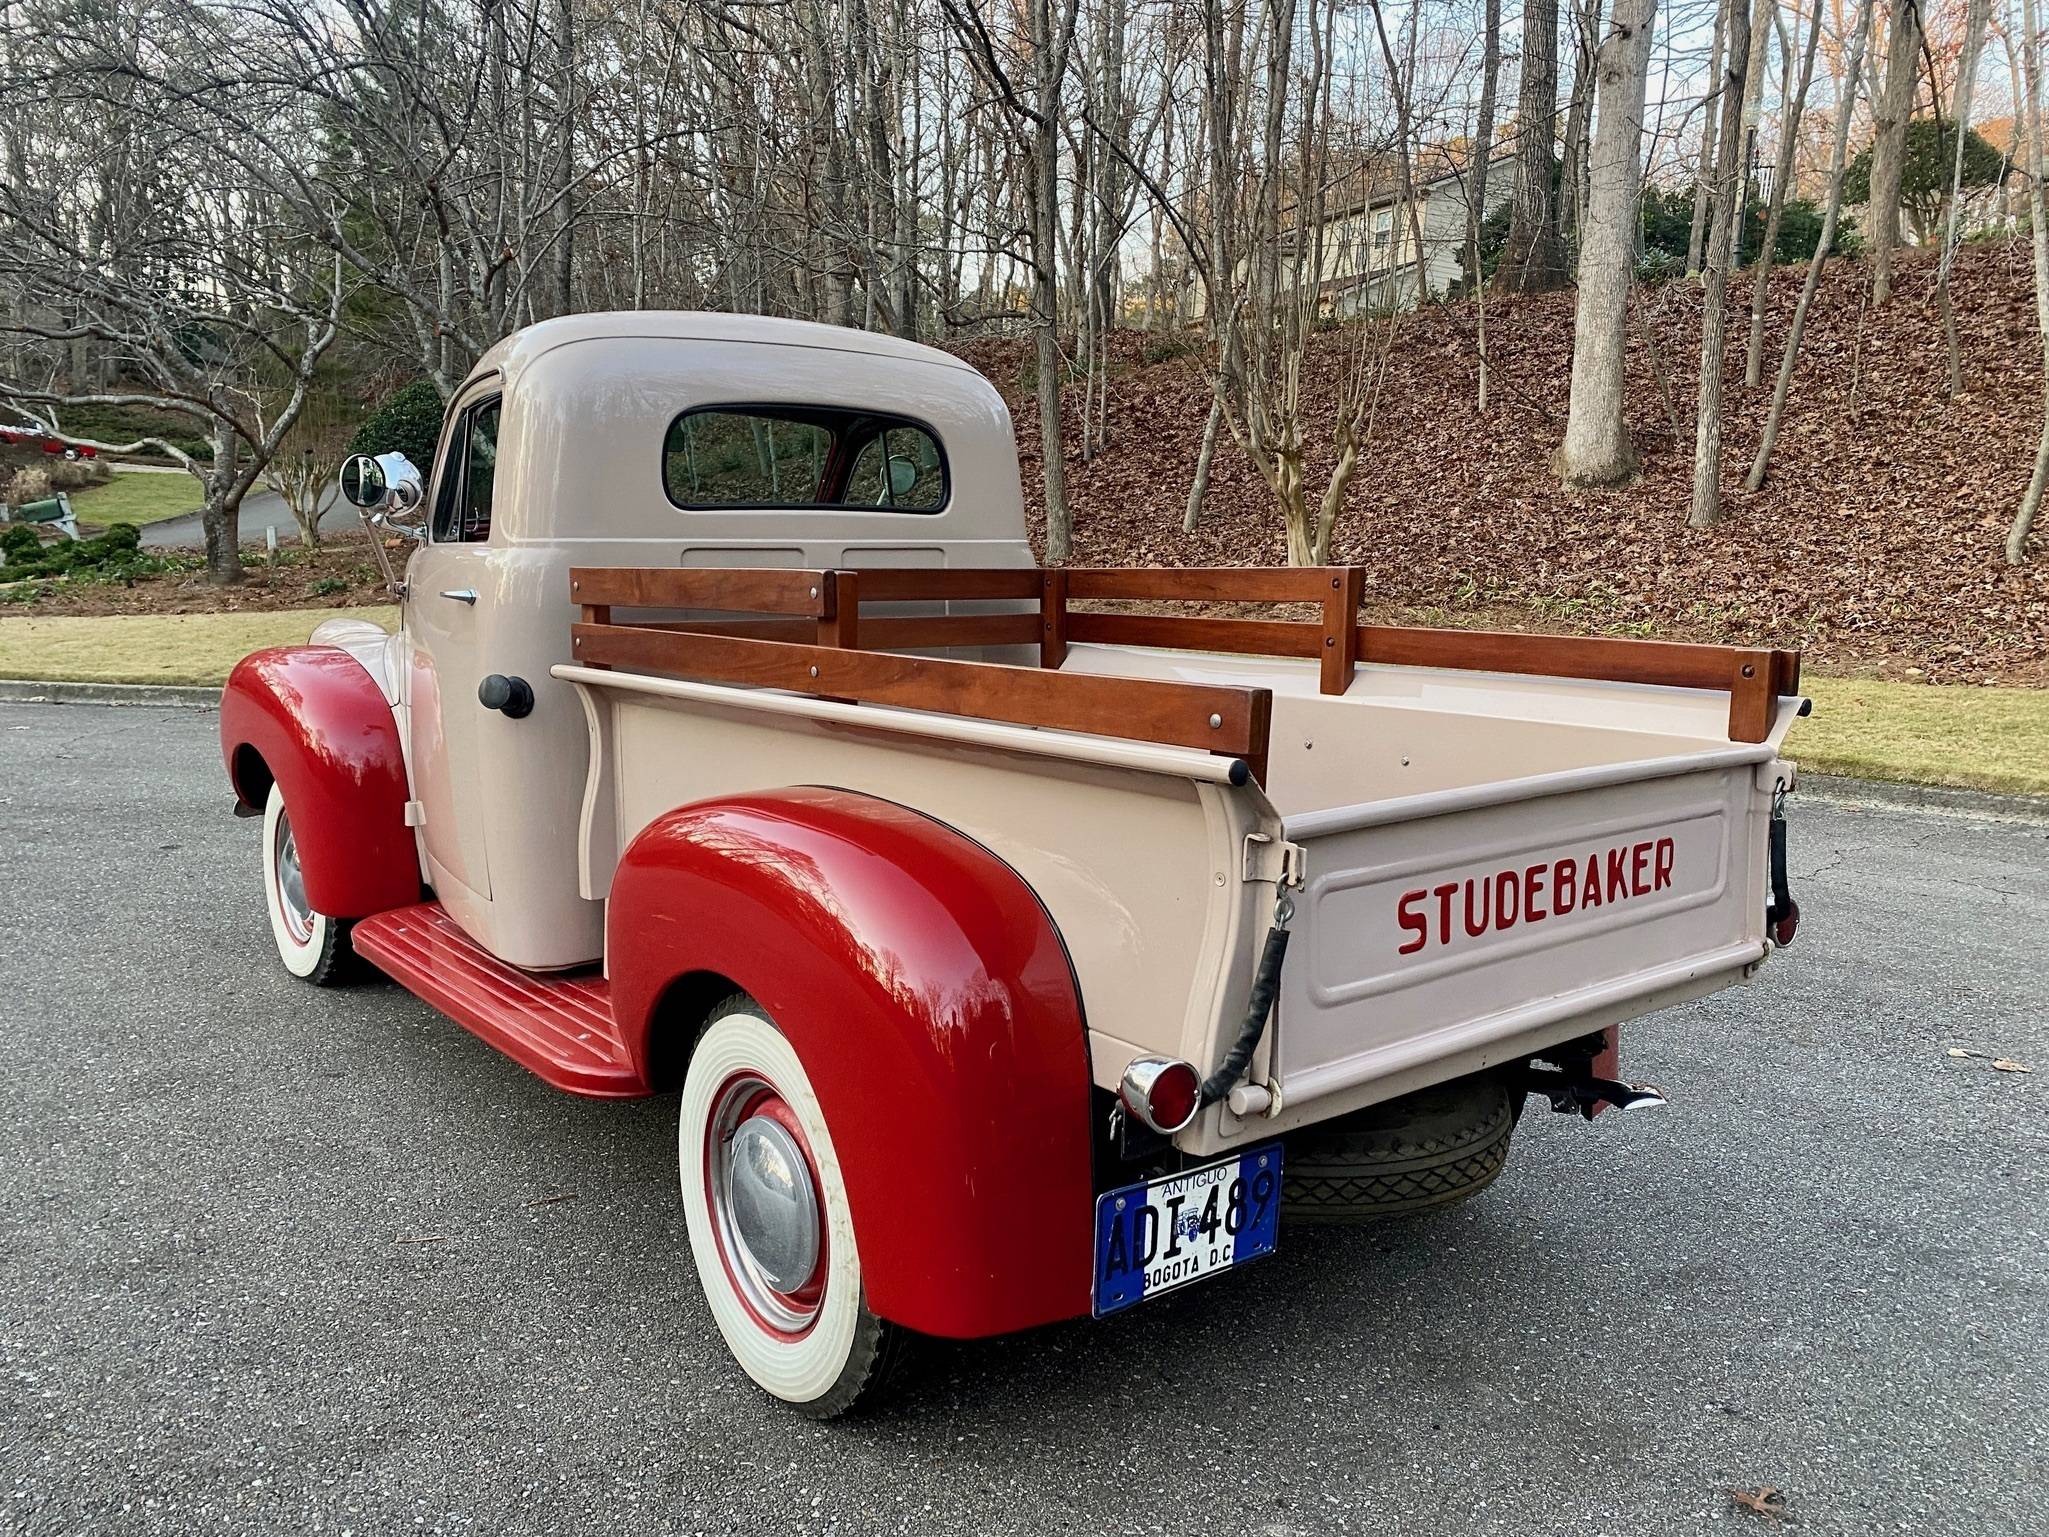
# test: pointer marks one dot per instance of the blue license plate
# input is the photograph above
(1153, 1237)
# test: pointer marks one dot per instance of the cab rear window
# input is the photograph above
(802, 456)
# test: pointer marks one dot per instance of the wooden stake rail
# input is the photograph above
(796, 611)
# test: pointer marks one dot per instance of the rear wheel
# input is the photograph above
(771, 1229)
(1436, 1147)
(313, 946)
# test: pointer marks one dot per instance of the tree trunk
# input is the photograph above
(1533, 261)
(1483, 138)
(1597, 449)
(1895, 104)
(1579, 115)
(1714, 321)
(1782, 175)
(1198, 488)
(1049, 66)
(1967, 78)
(1704, 175)
(1832, 210)
(2038, 208)
(220, 518)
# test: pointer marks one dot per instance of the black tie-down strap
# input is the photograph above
(1782, 913)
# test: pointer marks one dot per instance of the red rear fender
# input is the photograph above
(932, 1004)
(314, 721)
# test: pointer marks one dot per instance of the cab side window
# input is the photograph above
(462, 504)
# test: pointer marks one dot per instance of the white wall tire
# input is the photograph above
(806, 1337)
(313, 946)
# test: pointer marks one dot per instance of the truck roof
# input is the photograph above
(523, 346)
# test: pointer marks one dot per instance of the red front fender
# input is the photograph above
(312, 719)
(932, 1004)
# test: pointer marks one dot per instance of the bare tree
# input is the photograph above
(1891, 108)
(2030, 46)
(1533, 260)
(1832, 209)
(1976, 15)
(1597, 448)
(1782, 178)
(1714, 321)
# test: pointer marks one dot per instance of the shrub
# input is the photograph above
(28, 485)
(408, 423)
(18, 542)
(327, 587)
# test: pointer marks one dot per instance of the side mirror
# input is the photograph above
(362, 482)
(386, 485)
(903, 474)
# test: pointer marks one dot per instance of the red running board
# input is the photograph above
(557, 1024)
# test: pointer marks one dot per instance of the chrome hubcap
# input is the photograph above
(765, 1204)
(291, 885)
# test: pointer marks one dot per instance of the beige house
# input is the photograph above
(1369, 244)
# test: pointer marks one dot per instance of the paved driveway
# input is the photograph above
(278, 1260)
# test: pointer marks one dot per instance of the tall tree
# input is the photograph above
(2030, 45)
(1892, 108)
(1714, 320)
(1832, 208)
(1597, 448)
(1782, 180)
(1533, 257)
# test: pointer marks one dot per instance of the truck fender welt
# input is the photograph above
(313, 720)
(932, 1004)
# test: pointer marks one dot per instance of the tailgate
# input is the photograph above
(1447, 932)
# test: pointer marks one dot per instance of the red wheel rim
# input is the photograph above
(785, 1313)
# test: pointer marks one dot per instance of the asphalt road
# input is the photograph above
(260, 510)
(279, 1260)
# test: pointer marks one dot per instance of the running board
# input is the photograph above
(558, 1025)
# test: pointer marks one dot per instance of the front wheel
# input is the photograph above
(313, 946)
(771, 1229)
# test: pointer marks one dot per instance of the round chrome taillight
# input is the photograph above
(1163, 1092)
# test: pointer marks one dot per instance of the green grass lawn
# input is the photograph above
(137, 497)
(1919, 733)
(1913, 733)
(155, 648)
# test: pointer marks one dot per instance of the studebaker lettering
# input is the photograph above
(1532, 893)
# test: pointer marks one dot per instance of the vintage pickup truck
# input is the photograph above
(1021, 946)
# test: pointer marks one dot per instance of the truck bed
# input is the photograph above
(1492, 858)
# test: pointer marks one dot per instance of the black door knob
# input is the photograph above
(513, 697)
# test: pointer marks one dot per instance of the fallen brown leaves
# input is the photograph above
(1766, 1501)
(1875, 544)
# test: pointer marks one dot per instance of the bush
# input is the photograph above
(28, 485)
(19, 542)
(114, 554)
(408, 423)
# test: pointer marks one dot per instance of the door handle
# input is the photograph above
(462, 595)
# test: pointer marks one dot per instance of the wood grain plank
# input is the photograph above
(731, 589)
(1229, 721)
(1052, 618)
(906, 584)
(1345, 588)
(1254, 637)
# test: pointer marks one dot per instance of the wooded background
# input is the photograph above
(228, 232)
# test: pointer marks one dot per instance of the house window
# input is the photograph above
(802, 456)
(1383, 234)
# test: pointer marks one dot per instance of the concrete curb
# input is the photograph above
(1935, 800)
(160, 695)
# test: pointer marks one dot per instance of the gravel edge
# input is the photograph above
(179, 696)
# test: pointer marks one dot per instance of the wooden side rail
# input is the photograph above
(1229, 721)
(824, 608)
